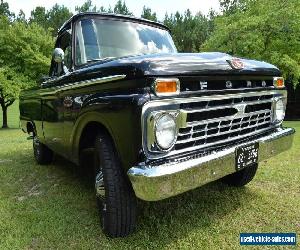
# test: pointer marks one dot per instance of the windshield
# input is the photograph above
(98, 39)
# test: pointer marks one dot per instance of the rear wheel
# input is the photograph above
(242, 177)
(115, 196)
(42, 154)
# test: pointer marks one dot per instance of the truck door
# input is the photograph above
(53, 99)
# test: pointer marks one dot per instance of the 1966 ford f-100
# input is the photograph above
(158, 122)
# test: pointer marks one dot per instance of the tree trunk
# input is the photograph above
(4, 116)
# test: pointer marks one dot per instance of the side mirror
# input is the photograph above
(58, 55)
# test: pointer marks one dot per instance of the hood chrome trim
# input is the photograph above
(81, 84)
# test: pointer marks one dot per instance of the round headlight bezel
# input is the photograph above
(158, 142)
(279, 113)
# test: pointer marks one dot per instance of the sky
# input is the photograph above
(135, 6)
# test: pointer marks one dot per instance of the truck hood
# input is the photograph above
(190, 64)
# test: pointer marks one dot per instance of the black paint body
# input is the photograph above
(60, 116)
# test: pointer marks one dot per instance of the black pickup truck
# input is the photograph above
(158, 122)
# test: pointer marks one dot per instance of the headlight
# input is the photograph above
(279, 110)
(165, 131)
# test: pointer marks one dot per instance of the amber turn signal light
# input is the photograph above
(164, 87)
(278, 82)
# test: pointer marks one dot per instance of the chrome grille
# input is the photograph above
(223, 120)
(205, 135)
(215, 120)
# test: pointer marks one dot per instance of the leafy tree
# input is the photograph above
(211, 21)
(39, 16)
(57, 16)
(121, 8)
(24, 57)
(189, 32)
(53, 18)
(89, 7)
(265, 30)
(10, 85)
(4, 10)
(109, 10)
(147, 14)
(21, 17)
(86, 7)
(231, 6)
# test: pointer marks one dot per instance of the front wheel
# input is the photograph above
(115, 196)
(242, 177)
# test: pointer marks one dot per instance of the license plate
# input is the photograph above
(246, 156)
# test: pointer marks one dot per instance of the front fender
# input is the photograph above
(79, 126)
(120, 115)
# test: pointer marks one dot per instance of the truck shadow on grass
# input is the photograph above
(163, 222)
(62, 211)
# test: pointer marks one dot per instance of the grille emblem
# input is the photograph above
(249, 84)
(263, 84)
(236, 63)
(240, 110)
(229, 84)
(203, 85)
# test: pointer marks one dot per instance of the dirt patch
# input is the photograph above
(33, 191)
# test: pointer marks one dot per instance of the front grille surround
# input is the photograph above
(211, 120)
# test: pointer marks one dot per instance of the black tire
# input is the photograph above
(242, 177)
(115, 197)
(42, 154)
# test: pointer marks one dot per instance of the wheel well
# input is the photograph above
(86, 146)
(87, 137)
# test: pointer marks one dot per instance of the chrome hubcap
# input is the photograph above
(100, 194)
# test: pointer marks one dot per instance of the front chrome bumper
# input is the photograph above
(160, 182)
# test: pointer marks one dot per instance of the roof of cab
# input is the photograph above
(109, 16)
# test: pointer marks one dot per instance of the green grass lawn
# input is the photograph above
(51, 207)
